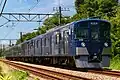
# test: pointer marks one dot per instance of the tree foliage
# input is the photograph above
(90, 8)
(115, 32)
(77, 4)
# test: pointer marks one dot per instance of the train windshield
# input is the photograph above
(104, 31)
(81, 30)
(94, 30)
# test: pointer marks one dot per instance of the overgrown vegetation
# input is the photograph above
(115, 62)
(7, 73)
(106, 9)
(14, 75)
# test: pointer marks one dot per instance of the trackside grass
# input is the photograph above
(115, 62)
(7, 73)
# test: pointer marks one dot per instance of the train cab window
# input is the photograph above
(81, 33)
(94, 33)
(81, 30)
(104, 31)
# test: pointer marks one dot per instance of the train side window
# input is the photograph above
(58, 37)
(47, 41)
(28, 45)
(37, 43)
(66, 34)
(41, 45)
(44, 41)
(32, 43)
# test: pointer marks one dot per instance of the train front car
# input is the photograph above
(92, 42)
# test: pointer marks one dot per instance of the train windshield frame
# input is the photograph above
(81, 30)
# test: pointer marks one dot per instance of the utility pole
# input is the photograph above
(10, 43)
(60, 9)
(21, 39)
(60, 15)
(3, 47)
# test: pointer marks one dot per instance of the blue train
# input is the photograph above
(83, 44)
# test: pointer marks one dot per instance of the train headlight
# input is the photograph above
(106, 44)
(94, 57)
(83, 44)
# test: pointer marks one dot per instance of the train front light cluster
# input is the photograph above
(83, 44)
(95, 56)
(106, 44)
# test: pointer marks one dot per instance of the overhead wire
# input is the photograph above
(38, 1)
(28, 12)
(3, 7)
(18, 23)
(10, 31)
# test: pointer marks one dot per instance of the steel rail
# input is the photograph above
(106, 72)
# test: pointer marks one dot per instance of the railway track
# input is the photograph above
(106, 72)
(47, 74)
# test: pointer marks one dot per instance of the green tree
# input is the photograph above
(54, 21)
(90, 8)
(77, 4)
(115, 32)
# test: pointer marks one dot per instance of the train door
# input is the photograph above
(28, 45)
(47, 48)
(44, 47)
(65, 41)
(43, 43)
(37, 50)
(27, 48)
(22, 50)
(53, 43)
(32, 49)
(40, 46)
(50, 47)
(57, 42)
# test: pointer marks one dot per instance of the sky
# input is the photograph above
(23, 6)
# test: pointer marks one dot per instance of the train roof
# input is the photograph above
(58, 27)
(75, 22)
(91, 19)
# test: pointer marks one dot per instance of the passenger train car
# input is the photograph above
(83, 44)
